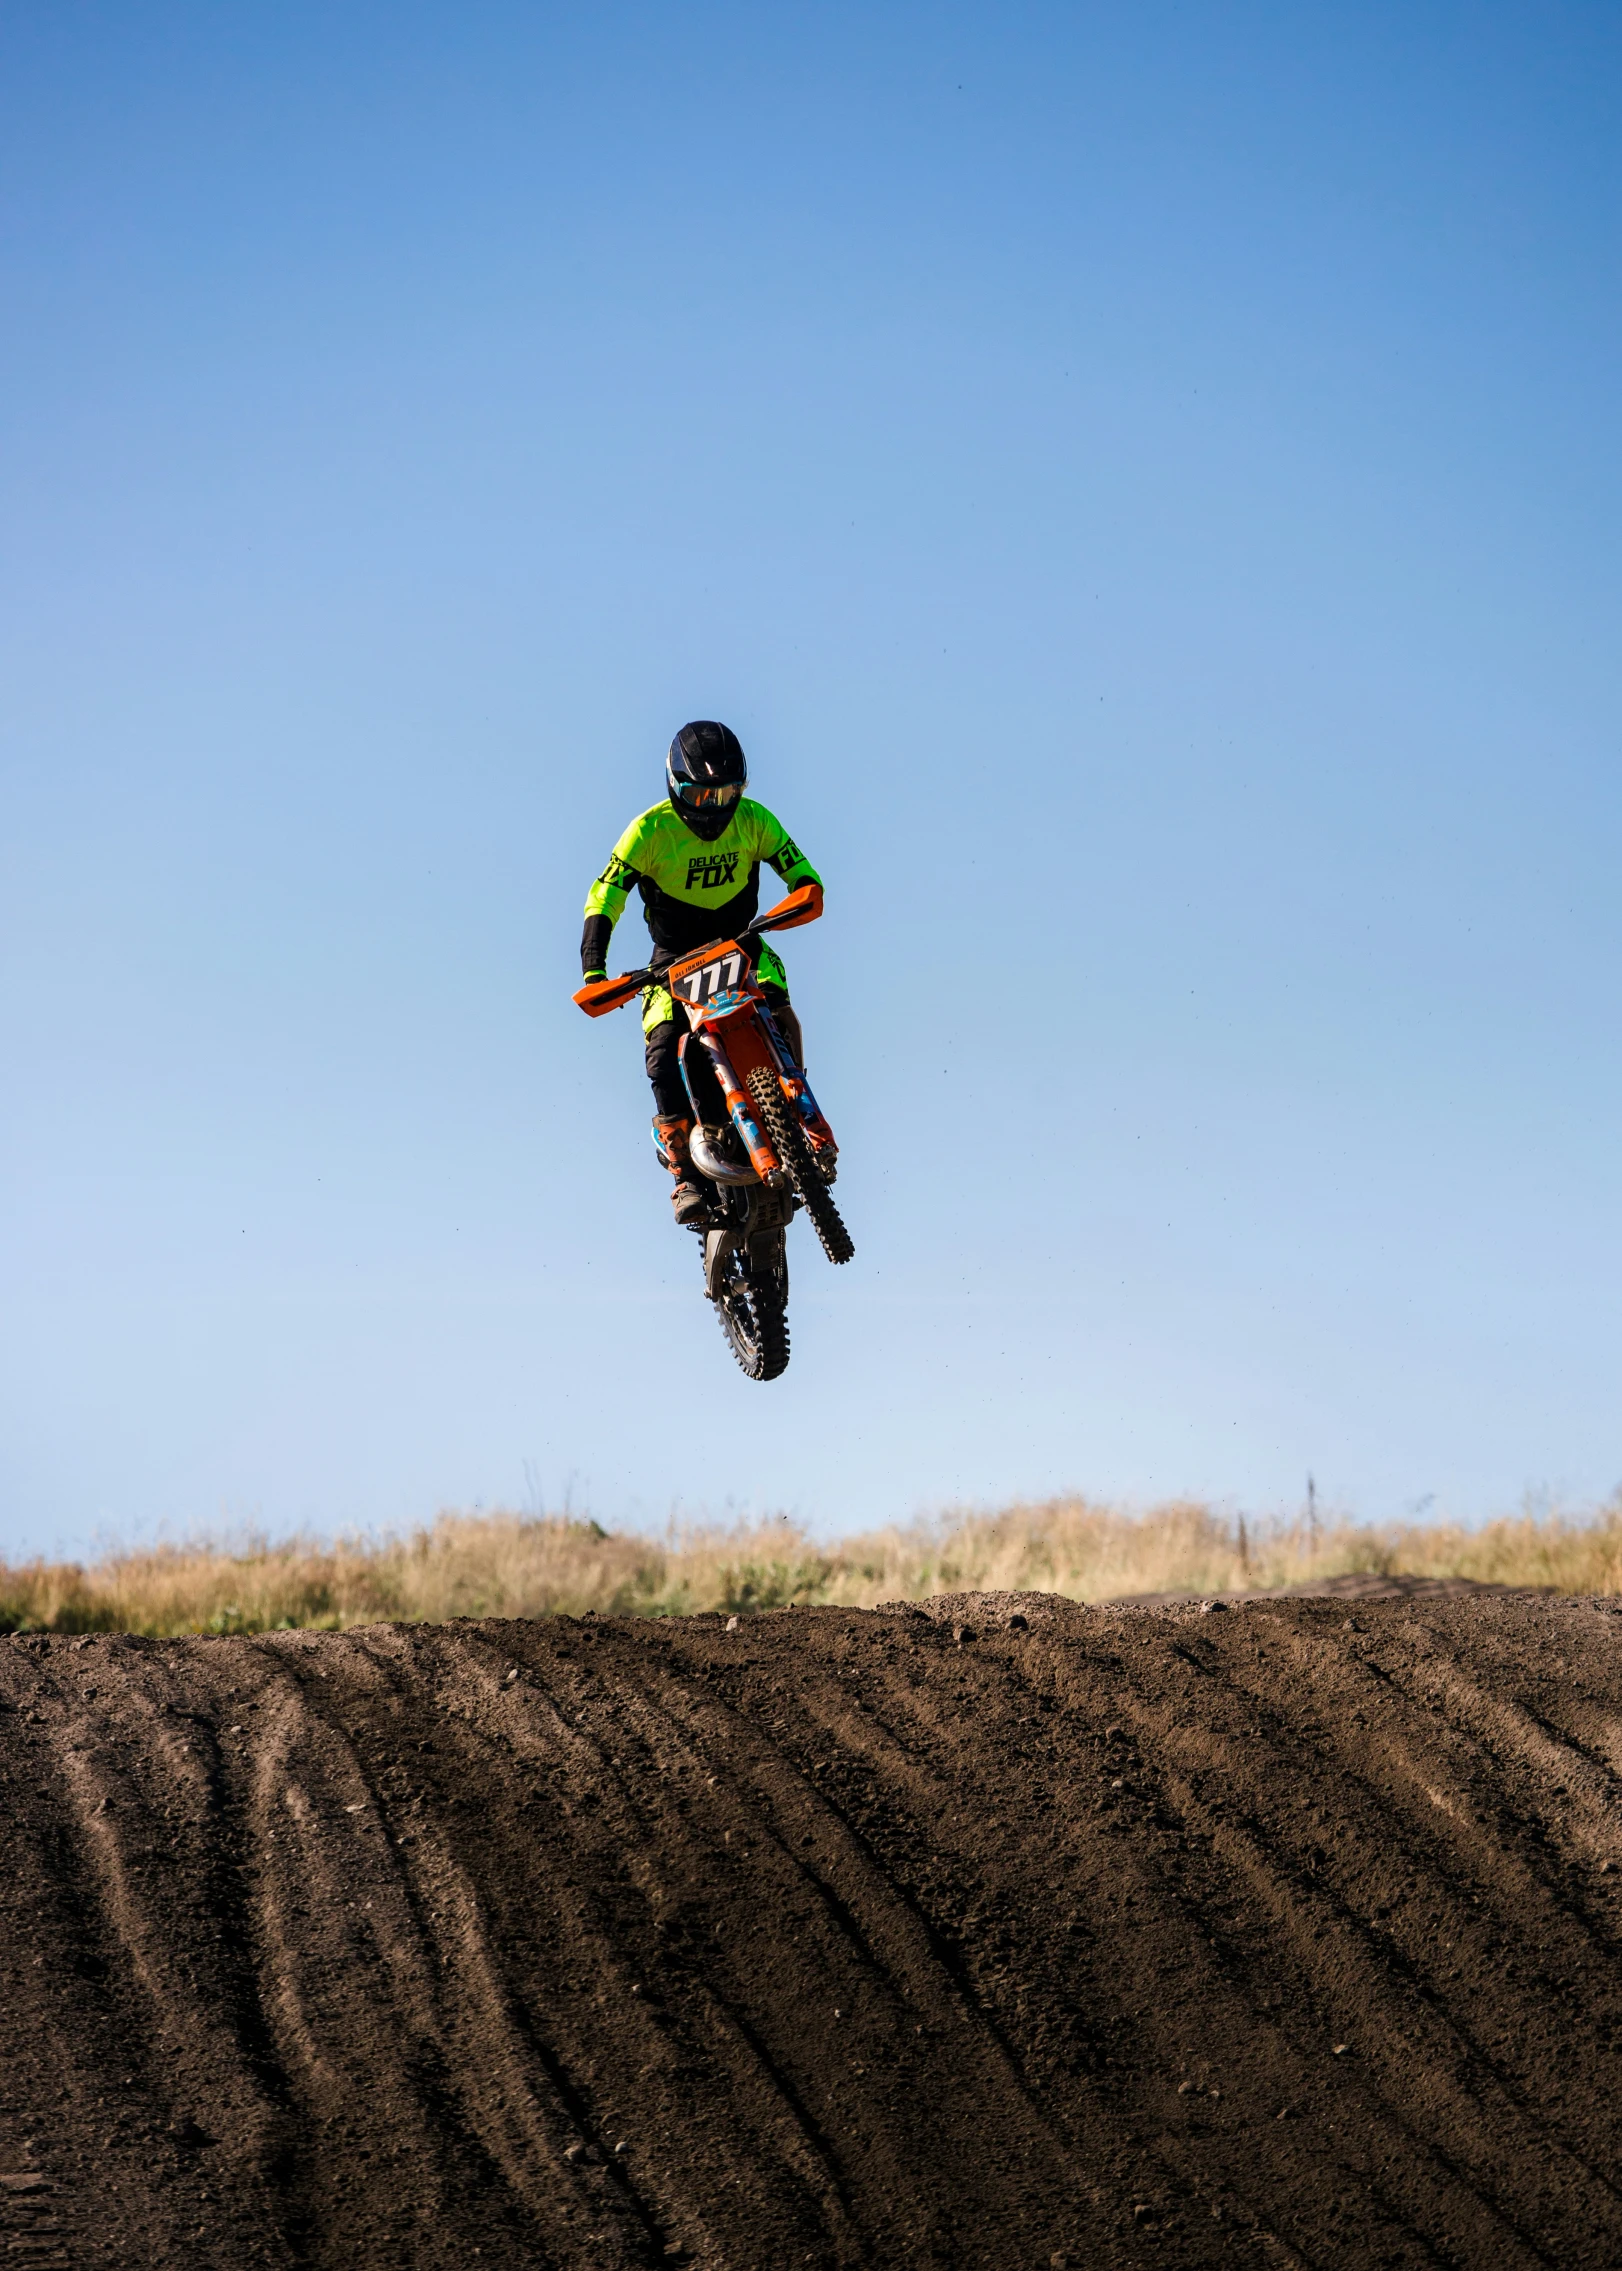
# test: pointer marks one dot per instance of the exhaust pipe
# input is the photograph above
(718, 1170)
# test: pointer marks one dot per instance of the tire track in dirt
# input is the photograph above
(842, 1939)
(1307, 1955)
(876, 1963)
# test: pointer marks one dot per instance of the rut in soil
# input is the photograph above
(956, 1939)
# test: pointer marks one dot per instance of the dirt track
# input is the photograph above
(1285, 1934)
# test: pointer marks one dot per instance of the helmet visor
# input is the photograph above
(703, 796)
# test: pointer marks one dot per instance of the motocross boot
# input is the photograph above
(687, 1201)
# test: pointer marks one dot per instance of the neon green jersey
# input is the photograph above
(691, 891)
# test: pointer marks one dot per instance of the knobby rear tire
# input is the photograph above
(754, 1318)
(789, 1141)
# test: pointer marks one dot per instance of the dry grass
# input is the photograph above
(510, 1565)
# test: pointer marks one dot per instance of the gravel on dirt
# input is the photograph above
(1106, 1936)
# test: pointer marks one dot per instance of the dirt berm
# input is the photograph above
(1286, 1933)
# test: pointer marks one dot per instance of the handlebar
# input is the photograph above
(600, 995)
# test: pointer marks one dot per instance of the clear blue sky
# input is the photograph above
(1142, 480)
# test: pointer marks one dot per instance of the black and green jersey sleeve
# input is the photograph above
(691, 891)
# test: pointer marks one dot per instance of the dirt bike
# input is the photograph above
(759, 1141)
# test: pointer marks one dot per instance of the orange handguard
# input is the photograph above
(802, 906)
(600, 995)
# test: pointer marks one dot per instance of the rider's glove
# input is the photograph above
(590, 977)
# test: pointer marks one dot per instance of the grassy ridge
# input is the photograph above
(512, 1565)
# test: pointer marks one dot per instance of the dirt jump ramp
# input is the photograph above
(1010, 1934)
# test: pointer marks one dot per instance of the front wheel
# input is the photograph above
(752, 1305)
(782, 1124)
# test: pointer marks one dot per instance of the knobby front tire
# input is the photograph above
(789, 1141)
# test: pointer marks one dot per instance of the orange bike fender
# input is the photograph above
(746, 1046)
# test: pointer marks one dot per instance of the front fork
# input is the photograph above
(740, 1107)
(798, 1089)
(818, 1133)
(740, 1104)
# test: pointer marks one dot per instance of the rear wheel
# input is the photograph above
(752, 1305)
(782, 1124)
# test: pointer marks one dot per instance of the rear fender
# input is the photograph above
(718, 1248)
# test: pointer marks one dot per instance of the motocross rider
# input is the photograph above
(695, 857)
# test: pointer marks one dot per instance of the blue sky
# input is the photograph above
(1142, 482)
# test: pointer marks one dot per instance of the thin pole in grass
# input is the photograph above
(1312, 1516)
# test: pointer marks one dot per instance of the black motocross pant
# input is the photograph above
(669, 1094)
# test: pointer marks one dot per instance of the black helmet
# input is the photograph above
(706, 772)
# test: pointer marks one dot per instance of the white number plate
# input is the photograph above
(710, 978)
